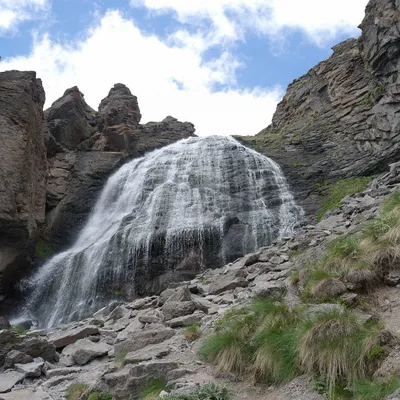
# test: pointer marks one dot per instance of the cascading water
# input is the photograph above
(198, 203)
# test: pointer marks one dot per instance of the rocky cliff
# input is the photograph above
(342, 118)
(54, 163)
(22, 171)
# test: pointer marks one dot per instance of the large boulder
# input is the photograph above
(32, 346)
(22, 171)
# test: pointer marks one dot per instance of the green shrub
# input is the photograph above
(75, 390)
(345, 247)
(341, 189)
(97, 322)
(152, 389)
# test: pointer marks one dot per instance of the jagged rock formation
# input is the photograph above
(54, 164)
(101, 142)
(22, 171)
(342, 118)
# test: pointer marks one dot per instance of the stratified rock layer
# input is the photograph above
(342, 118)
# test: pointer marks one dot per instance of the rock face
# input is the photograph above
(341, 119)
(22, 171)
(54, 164)
(85, 147)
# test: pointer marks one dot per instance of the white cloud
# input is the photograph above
(117, 51)
(320, 20)
(13, 12)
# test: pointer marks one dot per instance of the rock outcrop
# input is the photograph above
(22, 171)
(54, 164)
(85, 147)
(341, 119)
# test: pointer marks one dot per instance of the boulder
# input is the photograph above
(51, 373)
(32, 369)
(9, 379)
(224, 283)
(127, 382)
(33, 346)
(141, 339)
(147, 353)
(84, 351)
(174, 309)
(273, 290)
(16, 357)
(186, 320)
(27, 394)
(64, 338)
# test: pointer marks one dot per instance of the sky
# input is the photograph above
(220, 64)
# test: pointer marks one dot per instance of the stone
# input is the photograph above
(174, 309)
(70, 120)
(9, 379)
(141, 339)
(62, 372)
(118, 313)
(33, 346)
(269, 290)
(187, 320)
(147, 353)
(23, 174)
(127, 382)
(64, 338)
(222, 284)
(84, 351)
(27, 394)
(392, 278)
(150, 317)
(201, 303)
(134, 326)
(32, 369)
(16, 357)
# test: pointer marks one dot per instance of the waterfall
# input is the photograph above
(198, 203)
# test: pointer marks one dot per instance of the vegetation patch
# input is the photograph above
(341, 189)
(75, 390)
(192, 332)
(43, 250)
(209, 391)
(99, 396)
(152, 389)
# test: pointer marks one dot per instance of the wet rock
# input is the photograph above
(4, 323)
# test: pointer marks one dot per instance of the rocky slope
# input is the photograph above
(124, 345)
(54, 164)
(341, 119)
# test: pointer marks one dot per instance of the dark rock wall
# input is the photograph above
(341, 119)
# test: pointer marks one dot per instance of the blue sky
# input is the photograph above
(221, 64)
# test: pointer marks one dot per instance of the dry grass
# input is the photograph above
(363, 279)
(332, 345)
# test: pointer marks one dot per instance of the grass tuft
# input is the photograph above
(75, 390)
(152, 389)
(192, 332)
